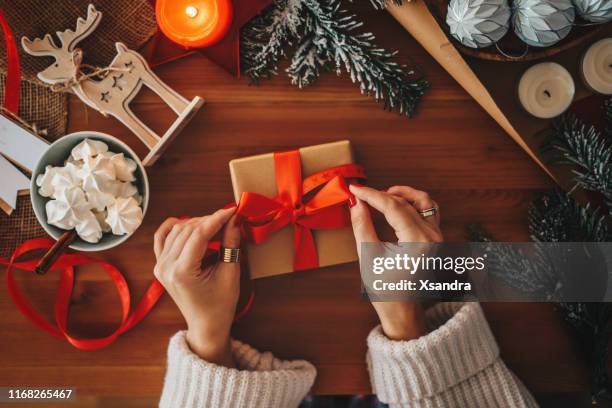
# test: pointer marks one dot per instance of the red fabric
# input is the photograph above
(13, 71)
(262, 216)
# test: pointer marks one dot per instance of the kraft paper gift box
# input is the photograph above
(276, 255)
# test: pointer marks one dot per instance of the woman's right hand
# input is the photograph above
(400, 205)
(205, 295)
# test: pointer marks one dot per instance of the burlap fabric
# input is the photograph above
(129, 21)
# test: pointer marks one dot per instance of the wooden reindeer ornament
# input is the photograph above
(110, 90)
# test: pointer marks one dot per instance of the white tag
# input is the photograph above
(11, 182)
(21, 146)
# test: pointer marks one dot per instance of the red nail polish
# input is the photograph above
(352, 201)
(184, 217)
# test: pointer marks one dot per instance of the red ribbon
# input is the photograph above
(65, 265)
(325, 209)
(13, 71)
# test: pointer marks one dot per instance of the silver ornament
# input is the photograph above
(595, 11)
(478, 23)
(542, 23)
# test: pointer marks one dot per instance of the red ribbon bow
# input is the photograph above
(326, 209)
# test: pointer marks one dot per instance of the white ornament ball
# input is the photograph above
(595, 11)
(478, 23)
(542, 23)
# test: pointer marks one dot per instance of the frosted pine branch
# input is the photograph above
(265, 39)
(589, 150)
(326, 38)
(381, 4)
(608, 117)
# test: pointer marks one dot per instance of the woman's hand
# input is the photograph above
(400, 205)
(206, 297)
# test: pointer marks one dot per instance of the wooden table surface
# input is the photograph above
(451, 149)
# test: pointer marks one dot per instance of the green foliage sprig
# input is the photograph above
(325, 37)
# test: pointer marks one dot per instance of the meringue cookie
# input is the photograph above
(97, 174)
(88, 148)
(89, 229)
(126, 190)
(93, 192)
(124, 216)
(68, 209)
(99, 200)
(124, 167)
(77, 163)
(101, 217)
(44, 181)
(65, 178)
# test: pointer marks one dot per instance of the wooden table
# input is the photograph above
(452, 149)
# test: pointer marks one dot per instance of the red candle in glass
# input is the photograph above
(194, 23)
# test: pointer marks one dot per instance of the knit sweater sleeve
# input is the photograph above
(260, 379)
(456, 365)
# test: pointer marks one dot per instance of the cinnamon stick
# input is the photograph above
(54, 252)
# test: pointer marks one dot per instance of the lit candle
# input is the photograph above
(546, 90)
(596, 67)
(194, 23)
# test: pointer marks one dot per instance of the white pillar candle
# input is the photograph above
(546, 90)
(596, 66)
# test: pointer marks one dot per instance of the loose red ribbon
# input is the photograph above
(65, 265)
(325, 209)
(13, 71)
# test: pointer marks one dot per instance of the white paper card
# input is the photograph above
(11, 182)
(21, 146)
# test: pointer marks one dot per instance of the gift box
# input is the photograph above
(294, 208)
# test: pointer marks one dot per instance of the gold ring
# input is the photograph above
(230, 255)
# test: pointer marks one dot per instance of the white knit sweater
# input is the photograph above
(456, 365)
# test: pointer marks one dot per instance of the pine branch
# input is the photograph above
(559, 218)
(381, 4)
(532, 275)
(586, 148)
(608, 117)
(591, 322)
(265, 38)
(329, 43)
(553, 218)
(326, 39)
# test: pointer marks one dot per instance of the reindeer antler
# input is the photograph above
(40, 46)
(70, 38)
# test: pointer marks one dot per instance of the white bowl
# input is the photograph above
(56, 155)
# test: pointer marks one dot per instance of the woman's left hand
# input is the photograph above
(206, 297)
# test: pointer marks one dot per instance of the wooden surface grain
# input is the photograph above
(451, 149)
